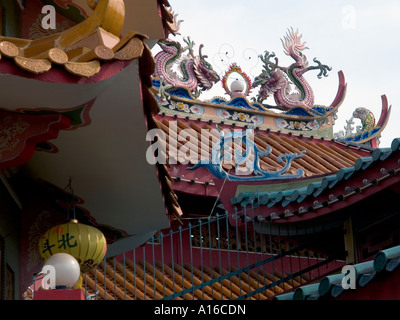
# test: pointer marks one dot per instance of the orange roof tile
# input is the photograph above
(144, 286)
(321, 156)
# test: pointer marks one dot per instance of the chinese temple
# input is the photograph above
(109, 154)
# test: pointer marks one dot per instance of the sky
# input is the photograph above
(359, 38)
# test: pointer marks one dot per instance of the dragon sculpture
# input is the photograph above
(370, 131)
(367, 119)
(277, 81)
(195, 70)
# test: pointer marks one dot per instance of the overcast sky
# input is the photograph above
(361, 38)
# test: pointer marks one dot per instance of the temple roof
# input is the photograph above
(294, 168)
(322, 157)
(335, 173)
(294, 157)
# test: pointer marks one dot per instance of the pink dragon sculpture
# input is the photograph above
(195, 70)
(276, 80)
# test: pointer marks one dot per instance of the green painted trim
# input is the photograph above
(276, 187)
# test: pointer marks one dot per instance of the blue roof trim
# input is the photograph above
(314, 111)
(218, 101)
(241, 103)
(181, 93)
(385, 261)
(363, 135)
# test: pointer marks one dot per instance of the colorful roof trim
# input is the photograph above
(184, 95)
(322, 196)
(370, 130)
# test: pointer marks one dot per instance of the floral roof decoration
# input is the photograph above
(234, 68)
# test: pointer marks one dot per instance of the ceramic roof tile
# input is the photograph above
(320, 192)
(143, 281)
(331, 286)
(321, 157)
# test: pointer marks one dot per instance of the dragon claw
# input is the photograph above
(190, 45)
(322, 67)
(162, 90)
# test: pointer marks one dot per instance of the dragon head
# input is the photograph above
(204, 71)
(361, 113)
(270, 78)
(269, 83)
(366, 116)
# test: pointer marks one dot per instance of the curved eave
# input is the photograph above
(89, 63)
(55, 89)
(60, 75)
(353, 185)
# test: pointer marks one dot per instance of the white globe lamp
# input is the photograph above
(67, 270)
(237, 88)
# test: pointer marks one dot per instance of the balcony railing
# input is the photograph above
(211, 259)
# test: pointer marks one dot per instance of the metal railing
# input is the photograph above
(212, 258)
